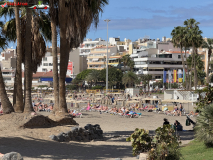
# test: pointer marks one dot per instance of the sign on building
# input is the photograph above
(70, 68)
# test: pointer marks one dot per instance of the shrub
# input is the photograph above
(72, 87)
(97, 87)
(163, 146)
(174, 85)
(141, 141)
(204, 126)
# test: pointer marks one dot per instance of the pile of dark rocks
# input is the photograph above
(88, 133)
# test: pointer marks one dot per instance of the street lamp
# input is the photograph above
(107, 20)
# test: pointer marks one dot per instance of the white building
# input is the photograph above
(153, 62)
(86, 46)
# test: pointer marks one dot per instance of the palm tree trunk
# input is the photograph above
(183, 62)
(55, 58)
(187, 75)
(207, 70)
(64, 57)
(195, 70)
(15, 86)
(19, 107)
(28, 58)
(6, 104)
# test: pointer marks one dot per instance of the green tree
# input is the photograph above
(195, 40)
(208, 45)
(199, 67)
(93, 76)
(145, 78)
(114, 76)
(127, 62)
(82, 75)
(129, 78)
(178, 40)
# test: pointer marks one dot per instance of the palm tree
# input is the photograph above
(208, 45)
(146, 78)
(129, 78)
(28, 58)
(19, 107)
(195, 39)
(40, 31)
(74, 21)
(6, 104)
(199, 65)
(53, 13)
(93, 76)
(126, 60)
(178, 38)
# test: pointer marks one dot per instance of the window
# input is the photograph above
(44, 70)
(50, 64)
(58, 64)
(179, 56)
(100, 49)
(5, 72)
(45, 59)
(157, 77)
(165, 56)
(139, 63)
(45, 64)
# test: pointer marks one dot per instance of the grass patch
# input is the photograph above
(196, 151)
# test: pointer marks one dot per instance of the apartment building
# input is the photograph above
(88, 44)
(79, 63)
(154, 63)
(97, 57)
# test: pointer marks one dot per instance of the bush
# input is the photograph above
(204, 126)
(42, 86)
(174, 85)
(141, 141)
(163, 146)
(97, 87)
(72, 87)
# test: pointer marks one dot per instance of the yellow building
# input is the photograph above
(97, 57)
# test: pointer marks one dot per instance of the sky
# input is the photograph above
(134, 19)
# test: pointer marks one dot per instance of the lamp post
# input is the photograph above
(107, 20)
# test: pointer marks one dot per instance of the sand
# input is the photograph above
(35, 143)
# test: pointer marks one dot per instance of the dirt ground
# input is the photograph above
(36, 144)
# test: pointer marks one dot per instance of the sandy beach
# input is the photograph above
(36, 144)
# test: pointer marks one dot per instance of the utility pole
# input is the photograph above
(107, 20)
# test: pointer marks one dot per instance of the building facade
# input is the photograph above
(97, 58)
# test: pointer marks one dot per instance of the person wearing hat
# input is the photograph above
(165, 121)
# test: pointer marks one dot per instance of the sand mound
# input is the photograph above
(28, 120)
(39, 121)
(62, 119)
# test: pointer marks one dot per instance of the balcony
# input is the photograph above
(92, 56)
(96, 63)
(97, 68)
